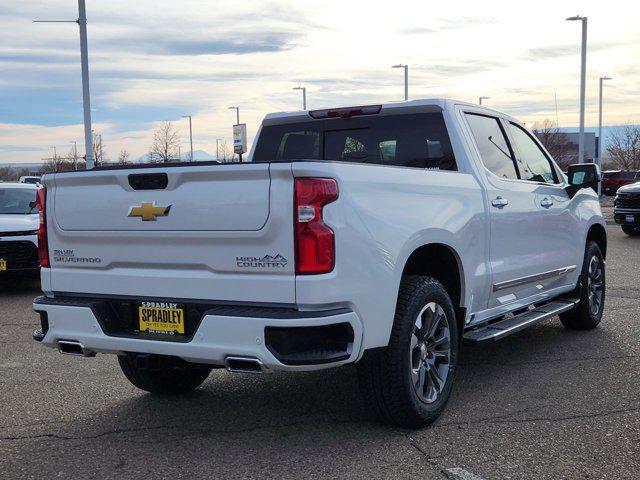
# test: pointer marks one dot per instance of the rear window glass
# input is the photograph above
(411, 140)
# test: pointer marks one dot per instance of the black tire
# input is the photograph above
(163, 374)
(584, 316)
(631, 231)
(387, 377)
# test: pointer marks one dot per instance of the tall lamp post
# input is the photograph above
(237, 109)
(84, 61)
(599, 161)
(406, 79)
(190, 137)
(482, 98)
(304, 96)
(583, 76)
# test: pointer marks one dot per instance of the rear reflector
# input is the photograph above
(315, 243)
(43, 244)
(346, 112)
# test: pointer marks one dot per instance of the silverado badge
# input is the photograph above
(149, 211)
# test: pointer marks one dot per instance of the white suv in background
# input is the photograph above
(19, 222)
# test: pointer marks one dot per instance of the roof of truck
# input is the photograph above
(442, 103)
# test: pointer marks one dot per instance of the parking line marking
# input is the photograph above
(462, 474)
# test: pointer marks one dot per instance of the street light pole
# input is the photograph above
(190, 137)
(406, 79)
(304, 96)
(84, 62)
(583, 78)
(599, 161)
(217, 150)
(75, 155)
(237, 109)
(482, 98)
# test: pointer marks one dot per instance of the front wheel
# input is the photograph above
(409, 383)
(163, 374)
(631, 231)
(591, 291)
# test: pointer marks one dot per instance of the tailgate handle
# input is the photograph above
(148, 181)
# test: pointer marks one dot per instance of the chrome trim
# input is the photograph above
(533, 278)
(626, 210)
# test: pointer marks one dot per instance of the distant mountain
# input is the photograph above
(198, 156)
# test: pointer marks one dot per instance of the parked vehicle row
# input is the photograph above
(379, 235)
(612, 180)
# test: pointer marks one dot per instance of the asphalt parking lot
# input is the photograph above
(544, 403)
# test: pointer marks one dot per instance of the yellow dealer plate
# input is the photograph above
(161, 317)
(3, 264)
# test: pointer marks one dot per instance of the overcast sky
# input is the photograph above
(154, 60)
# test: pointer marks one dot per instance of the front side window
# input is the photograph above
(417, 140)
(534, 164)
(494, 149)
(19, 201)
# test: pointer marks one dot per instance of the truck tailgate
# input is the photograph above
(214, 232)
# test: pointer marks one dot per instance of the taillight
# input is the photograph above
(315, 243)
(43, 244)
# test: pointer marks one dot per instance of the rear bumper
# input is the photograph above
(223, 332)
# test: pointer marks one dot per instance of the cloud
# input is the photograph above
(417, 30)
(188, 45)
(556, 51)
(454, 23)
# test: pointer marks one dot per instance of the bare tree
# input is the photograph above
(98, 149)
(123, 157)
(73, 157)
(165, 143)
(225, 153)
(624, 147)
(7, 174)
(558, 144)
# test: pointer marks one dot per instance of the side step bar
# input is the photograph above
(507, 326)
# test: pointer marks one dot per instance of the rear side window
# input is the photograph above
(494, 149)
(534, 164)
(410, 140)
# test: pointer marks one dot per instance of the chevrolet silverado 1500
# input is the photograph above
(380, 235)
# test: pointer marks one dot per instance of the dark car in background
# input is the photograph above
(612, 180)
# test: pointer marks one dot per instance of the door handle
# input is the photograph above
(546, 202)
(499, 202)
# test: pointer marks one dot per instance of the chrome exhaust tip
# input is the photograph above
(244, 365)
(72, 347)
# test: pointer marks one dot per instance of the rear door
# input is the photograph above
(210, 232)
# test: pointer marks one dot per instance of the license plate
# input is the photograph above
(3, 264)
(161, 317)
(629, 218)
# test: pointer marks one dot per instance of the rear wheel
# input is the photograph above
(408, 384)
(163, 374)
(591, 291)
(631, 231)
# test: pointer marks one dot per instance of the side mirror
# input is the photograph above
(583, 175)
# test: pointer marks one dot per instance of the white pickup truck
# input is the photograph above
(379, 235)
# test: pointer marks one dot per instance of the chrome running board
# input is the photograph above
(502, 328)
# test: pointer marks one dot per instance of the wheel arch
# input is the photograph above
(598, 234)
(442, 262)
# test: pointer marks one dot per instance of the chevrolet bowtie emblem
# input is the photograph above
(149, 211)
